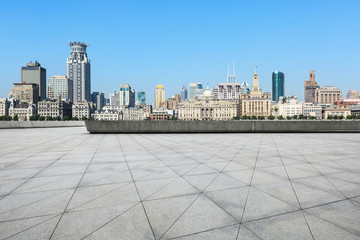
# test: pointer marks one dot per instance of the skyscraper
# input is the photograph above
(141, 96)
(231, 78)
(159, 95)
(127, 96)
(99, 99)
(60, 86)
(78, 70)
(278, 85)
(310, 87)
(196, 89)
(34, 73)
(184, 93)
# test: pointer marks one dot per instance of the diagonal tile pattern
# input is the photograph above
(63, 183)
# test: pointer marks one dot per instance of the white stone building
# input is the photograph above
(313, 110)
(288, 106)
(4, 106)
(22, 110)
(208, 109)
(54, 108)
(81, 109)
(106, 115)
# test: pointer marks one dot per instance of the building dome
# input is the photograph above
(208, 94)
(159, 86)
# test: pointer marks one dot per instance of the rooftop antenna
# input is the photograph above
(233, 68)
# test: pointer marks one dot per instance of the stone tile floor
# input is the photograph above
(63, 183)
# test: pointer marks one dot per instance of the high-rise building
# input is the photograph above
(127, 96)
(60, 86)
(141, 96)
(78, 70)
(26, 92)
(278, 85)
(114, 99)
(310, 87)
(231, 78)
(196, 89)
(159, 95)
(99, 99)
(184, 93)
(255, 103)
(34, 73)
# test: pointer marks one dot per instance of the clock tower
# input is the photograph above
(255, 85)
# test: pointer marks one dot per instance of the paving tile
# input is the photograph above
(229, 232)
(286, 226)
(202, 215)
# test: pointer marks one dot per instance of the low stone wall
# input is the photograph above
(240, 126)
(40, 124)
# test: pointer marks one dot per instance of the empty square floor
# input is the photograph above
(64, 183)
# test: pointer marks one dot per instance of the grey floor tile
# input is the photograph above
(229, 233)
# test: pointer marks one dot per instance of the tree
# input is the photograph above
(341, 117)
(49, 118)
(261, 117)
(276, 109)
(288, 117)
(280, 117)
(66, 118)
(84, 118)
(16, 118)
(253, 117)
(271, 117)
(75, 118)
(236, 118)
(57, 118)
(295, 116)
(41, 118)
(244, 117)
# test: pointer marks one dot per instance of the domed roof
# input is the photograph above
(159, 86)
(208, 94)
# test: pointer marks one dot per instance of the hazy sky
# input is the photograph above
(173, 42)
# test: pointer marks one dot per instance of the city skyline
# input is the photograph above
(192, 45)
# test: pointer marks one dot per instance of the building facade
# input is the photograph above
(339, 111)
(26, 92)
(98, 98)
(352, 94)
(255, 103)
(78, 71)
(159, 96)
(310, 87)
(195, 89)
(208, 109)
(114, 99)
(81, 109)
(133, 114)
(278, 85)
(4, 106)
(60, 86)
(55, 108)
(184, 93)
(141, 97)
(34, 73)
(106, 115)
(288, 106)
(327, 95)
(22, 110)
(312, 110)
(126, 96)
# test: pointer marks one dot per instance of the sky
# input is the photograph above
(173, 42)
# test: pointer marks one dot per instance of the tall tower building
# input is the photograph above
(78, 70)
(141, 96)
(310, 88)
(278, 85)
(60, 86)
(184, 93)
(231, 78)
(99, 99)
(34, 73)
(196, 89)
(127, 96)
(159, 95)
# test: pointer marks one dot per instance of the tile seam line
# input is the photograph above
(248, 193)
(52, 234)
(201, 192)
(41, 170)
